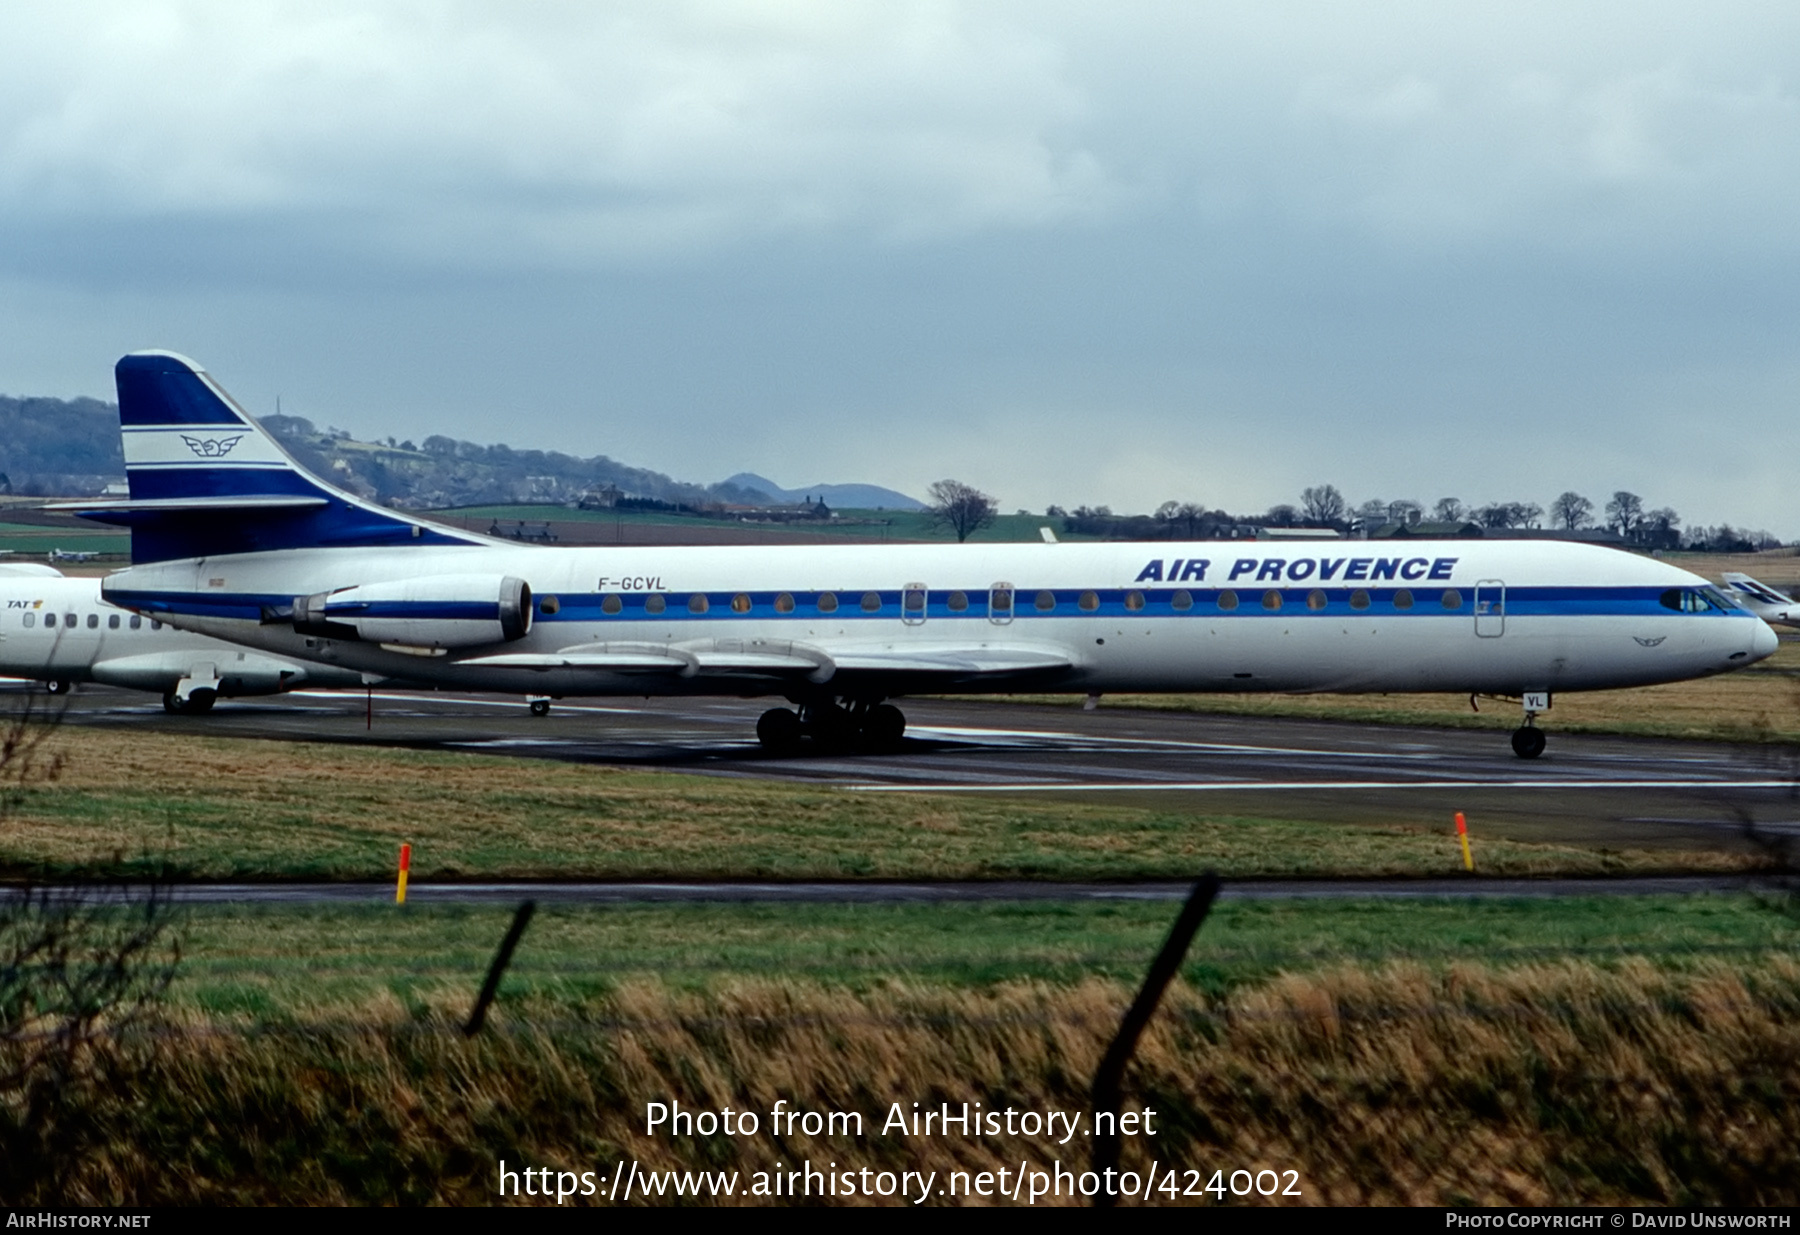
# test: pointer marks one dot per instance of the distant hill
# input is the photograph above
(838, 497)
(71, 447)
(59, 446)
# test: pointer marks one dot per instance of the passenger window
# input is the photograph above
(112, 621)
(1182, 601)
(871, 602)
(1271, 600)
(69, 619)
(740, 603)
(784, 603)
(697, 603)
(1045, 601)
(958, 602)
(155, 625)
(1134, 601)
(1403, 599)
(827, 603)
(136, 622)
(1359, 599)
(548, 605)
(31, 619)
(93, 621)
(655, 603)
(1228, 600)
(912, 601)
(49, 619)
(611, 604)
(1452, 598)
(1000, 600)
(1315, 600)
(1089, 602)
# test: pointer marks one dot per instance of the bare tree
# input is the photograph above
(1624, 512)
(1571, 511)
(1323, 504)
(1508, 514)
(962, 508)
(1449, 510)
(1183, 518)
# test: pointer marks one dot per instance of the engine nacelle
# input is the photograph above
(437, 611)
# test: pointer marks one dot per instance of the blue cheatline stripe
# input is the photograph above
(1158, 603)
(589, 606)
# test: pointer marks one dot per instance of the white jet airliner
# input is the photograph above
(233, 538)
(60, 631)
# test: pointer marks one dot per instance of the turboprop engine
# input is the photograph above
(435, 612)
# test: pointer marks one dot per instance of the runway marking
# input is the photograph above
(1099, 742)
(1321, 785)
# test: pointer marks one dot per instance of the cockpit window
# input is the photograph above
(1695, 600)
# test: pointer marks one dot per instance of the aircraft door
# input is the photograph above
(912, 604)
(1490, 608)
(1000, 604)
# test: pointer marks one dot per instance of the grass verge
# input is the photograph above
(229, 808)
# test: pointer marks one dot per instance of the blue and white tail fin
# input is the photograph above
(207, 480)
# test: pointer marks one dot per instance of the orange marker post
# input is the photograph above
(406, 863)
(1462, 834)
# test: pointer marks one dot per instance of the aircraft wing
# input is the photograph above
(722, 657)
(764, 659)
(958, 662)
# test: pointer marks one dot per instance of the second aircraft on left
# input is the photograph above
(58, 630)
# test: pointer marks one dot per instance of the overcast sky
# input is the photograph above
(1067, 253)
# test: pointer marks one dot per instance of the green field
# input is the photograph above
(286, 962)
(33, 541)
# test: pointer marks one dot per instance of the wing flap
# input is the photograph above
(952, 661)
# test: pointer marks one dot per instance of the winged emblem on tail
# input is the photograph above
(211, 447)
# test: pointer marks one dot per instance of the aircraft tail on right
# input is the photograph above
(1764, 601)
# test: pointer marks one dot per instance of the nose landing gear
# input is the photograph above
(1528, 740)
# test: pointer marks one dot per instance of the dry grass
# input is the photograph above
(1561, 1083)
(229, 808)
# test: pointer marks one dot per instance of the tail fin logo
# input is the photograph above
(211, 447)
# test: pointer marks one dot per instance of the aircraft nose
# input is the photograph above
(1764, 643)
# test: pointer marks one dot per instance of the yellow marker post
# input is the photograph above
(406, 862)
(1462, 834)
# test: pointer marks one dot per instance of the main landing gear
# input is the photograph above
(194, 704)
(1528, 740)
(855, 723)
